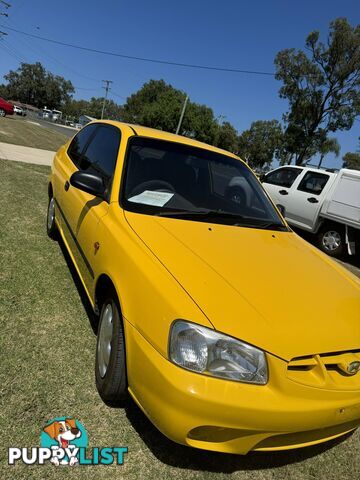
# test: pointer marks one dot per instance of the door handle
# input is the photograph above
(283, 192)
(313, 200)
(66, 186)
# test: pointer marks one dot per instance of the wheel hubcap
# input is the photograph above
(51, 213)
(331, 240)
(2, 113)
(104, 342)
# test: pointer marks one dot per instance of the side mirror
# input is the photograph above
(88, 183)
(262, 177)
(281, 209)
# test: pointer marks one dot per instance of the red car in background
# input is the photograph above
(6, 108)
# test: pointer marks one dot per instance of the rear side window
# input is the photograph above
(79, 143)
(313, 182)
(283, 177)
(101, 153)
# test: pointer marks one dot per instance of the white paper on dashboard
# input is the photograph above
(157, 199)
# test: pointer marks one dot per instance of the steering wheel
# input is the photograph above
(152, 185)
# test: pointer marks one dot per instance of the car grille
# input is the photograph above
(326, 370)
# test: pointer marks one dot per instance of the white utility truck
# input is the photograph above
(323, 202)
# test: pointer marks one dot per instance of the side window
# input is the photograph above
(101, 153)
(79, 142)
(284, 177)
(313, 182)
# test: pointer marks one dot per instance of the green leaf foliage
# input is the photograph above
(322, 86)
(33, 85)
(351, 160)
(261, 143)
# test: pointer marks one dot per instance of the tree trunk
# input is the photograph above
(321, 160)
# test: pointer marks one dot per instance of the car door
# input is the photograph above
(82, 211)
(279, 182)
(306, 197)
(66, 162)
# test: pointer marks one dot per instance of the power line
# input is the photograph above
(142, 59)
(117, 95)
(12, 52)
(53, 60)
(84, 88)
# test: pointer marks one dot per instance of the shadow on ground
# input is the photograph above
(189, 458)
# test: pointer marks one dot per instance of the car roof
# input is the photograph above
(162, 135)
(319, 170)
(308, 169)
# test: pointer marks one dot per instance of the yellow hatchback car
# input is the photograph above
(229, 331)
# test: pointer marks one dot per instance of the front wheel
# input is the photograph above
(2, 112)
(110, 361)
(331, 240)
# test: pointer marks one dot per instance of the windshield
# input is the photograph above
(171, 179)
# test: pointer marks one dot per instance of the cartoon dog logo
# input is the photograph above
(63, 432)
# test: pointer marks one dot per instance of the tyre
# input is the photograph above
(110, 360)
(2, 112)
(50, 219)
(331, 240)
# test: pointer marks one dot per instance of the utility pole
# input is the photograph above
(182, 114)
(107, 88)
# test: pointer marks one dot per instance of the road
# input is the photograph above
(352, 263)
(67, 131)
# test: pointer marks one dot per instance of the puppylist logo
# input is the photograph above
(64, 441)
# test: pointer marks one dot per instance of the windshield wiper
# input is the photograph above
(201, 213)
(273, 226)
(239, 220)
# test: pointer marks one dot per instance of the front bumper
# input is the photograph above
(233, 417)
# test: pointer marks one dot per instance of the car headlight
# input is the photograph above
(206, 351)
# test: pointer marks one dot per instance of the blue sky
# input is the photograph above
(232, 33)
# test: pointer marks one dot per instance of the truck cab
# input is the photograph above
(322, 202)
(301, 190)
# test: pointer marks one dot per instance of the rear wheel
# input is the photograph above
(50, 219)
(331, 240)
(237, 195)
(2, 112)
(110, 361)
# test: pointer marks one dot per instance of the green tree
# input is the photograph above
(158, 105)
(4, 92)
(227, 137)
(351, 160)
(261, 143)
(93, 108)
(199, 123)
(32, 84)
(329, 145)
(322, 87)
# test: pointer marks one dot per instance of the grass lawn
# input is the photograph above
(47, 368)
(19, 131)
